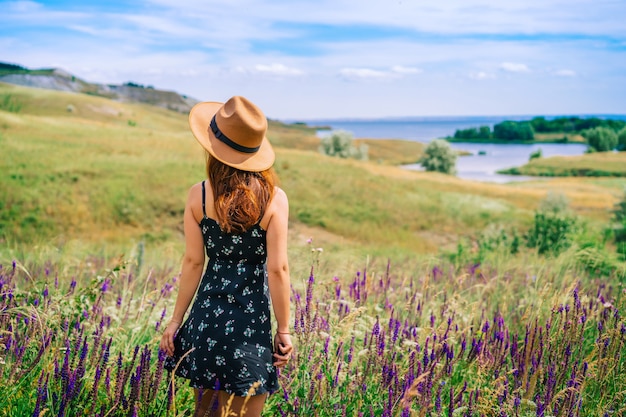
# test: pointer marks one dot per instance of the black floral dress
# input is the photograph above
(227, 337)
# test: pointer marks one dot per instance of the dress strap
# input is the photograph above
(203, 200)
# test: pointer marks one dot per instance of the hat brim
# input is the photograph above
(199, 120)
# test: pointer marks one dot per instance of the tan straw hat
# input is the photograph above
(233, 132)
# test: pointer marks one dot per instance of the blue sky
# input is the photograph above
(303, 60)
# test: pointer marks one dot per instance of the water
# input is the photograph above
(488, 158)
(485, 160)
(422, 129)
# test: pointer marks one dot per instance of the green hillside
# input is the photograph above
(76, 166)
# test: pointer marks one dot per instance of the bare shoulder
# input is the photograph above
(280, 201)
(194, 199)
(195, 192)
(278, 208)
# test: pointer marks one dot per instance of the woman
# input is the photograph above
(238, 217)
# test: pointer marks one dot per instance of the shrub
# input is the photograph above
(535, 155)
(440, 157)
(552, 227)
(340, 144)
(619, 228)
(10, 103)
(554, 203)
(600, 139)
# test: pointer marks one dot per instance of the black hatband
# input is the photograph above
(225, 139)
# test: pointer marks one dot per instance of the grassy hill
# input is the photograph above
(58, 79)
(77, 166)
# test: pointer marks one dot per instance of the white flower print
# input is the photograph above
(225, 283)
(263, 318)
(202, 326)
(250, 307)
(231, 299)
(219, 310)
(229, 328)
(237, 239)
(246, 291)
(238, 354)
(255, 233)
(220, 360)
(211, 343)
(261, 349)
(243, 372)
(248, 332)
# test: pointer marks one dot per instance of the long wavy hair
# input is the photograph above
(240, 197)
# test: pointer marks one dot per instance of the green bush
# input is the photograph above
(600, 139)
(10, 103)
(339, 143)
(535, 155)
(619, 225)
(440, 157)
(554, 203)
(553, 226)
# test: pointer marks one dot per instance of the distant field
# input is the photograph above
(600, 164)
(559, 137)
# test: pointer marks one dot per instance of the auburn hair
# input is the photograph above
(240, 197)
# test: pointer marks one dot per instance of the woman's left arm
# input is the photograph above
(278, 278)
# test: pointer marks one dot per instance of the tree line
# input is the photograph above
(601, 134)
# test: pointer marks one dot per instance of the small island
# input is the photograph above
(536, 130)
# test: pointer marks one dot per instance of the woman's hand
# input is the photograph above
(283, 348)
(167, 339)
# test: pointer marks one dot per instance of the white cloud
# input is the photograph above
(450, 16)
(275, 69)
(406, 70)
(264, 48)
(565, 73)
(514, 67)
(481, 75)
(395, 72)
(362, 74)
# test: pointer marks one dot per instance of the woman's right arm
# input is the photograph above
(193, 263)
